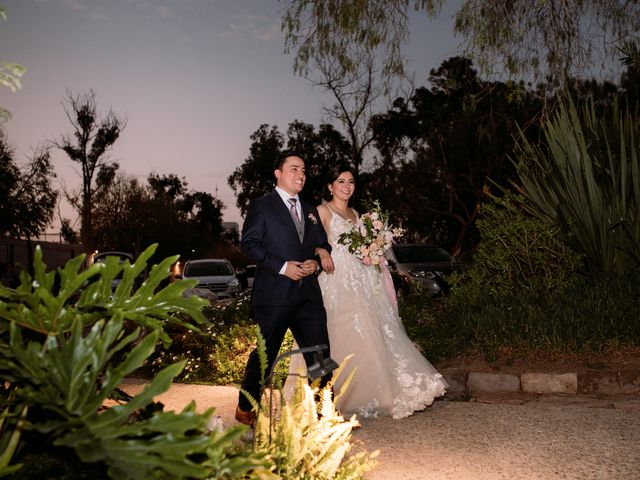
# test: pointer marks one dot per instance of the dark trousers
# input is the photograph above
(308, 324)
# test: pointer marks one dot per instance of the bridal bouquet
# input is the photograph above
(371, 236)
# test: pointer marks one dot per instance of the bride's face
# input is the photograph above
(343, 187)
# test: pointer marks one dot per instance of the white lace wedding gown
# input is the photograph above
(392, 378)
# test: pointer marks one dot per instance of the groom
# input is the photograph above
(280, 235)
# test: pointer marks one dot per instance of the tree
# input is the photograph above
(345, 30)
(553, 38)
(356, 74)
(320, 150)
(183, 221)
(27, 199)
(356, 88)
(10, 74)
(255, 176)
(129, 216)
(441, 148)
(119, 214)
(92, 138)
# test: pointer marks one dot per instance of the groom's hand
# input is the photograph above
(295, 270)
(310, 267)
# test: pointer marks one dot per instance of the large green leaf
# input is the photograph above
(87, 294)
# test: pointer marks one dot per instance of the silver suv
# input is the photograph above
(216, 275)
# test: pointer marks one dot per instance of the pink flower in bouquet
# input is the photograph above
(371, 236)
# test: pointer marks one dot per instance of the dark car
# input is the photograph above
(416, 262)
(121, 256)
(245, 275)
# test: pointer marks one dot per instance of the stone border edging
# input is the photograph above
(589, 382)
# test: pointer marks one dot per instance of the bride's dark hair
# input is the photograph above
(332, 175)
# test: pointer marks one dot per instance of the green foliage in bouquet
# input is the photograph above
(66, 343)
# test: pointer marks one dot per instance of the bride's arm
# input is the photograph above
(325, 256)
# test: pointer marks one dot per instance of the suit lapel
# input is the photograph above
(282, 210)
(305, 220)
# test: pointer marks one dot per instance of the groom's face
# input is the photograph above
(290, 177)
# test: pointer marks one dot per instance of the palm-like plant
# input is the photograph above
(584, 178)
(66, 346)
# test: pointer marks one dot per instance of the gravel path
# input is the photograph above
(456, 440)
(550, 438)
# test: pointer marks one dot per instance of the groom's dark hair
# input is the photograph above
(282, 157)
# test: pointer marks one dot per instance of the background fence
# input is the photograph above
(19, 252)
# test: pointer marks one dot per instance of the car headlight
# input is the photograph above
(234, 283)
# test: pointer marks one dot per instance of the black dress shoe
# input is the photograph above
(246, 418)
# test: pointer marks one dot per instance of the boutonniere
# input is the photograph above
(313, 218)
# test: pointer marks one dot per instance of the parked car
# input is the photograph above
(250, 272)
(214, 274)
(416, 262)
(100, 257)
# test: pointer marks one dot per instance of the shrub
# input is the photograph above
(218, 352)
(523, 294)
(67, 341)
(590, 315)
(517, 252)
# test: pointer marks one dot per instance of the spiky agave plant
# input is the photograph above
(585, 179)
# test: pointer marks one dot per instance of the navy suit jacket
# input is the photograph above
(269, 238)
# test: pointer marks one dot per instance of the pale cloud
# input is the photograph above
(260, 27)
(75, 4)
(269, 32)
(99, 16)
(163, 11)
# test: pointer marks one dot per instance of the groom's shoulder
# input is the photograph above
(267, 197)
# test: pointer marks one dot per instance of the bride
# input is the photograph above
(391, 377)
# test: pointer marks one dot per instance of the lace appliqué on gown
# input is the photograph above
(392, 377)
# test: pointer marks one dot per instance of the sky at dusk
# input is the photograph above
(193, 78)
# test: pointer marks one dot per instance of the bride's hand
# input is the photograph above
(326, 260)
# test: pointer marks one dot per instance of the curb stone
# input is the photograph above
(550, 383)
(589, 382)
(492, 382)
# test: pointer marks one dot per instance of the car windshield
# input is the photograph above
(420, 254)
(208, 269)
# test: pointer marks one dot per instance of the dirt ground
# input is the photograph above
(546, 362)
